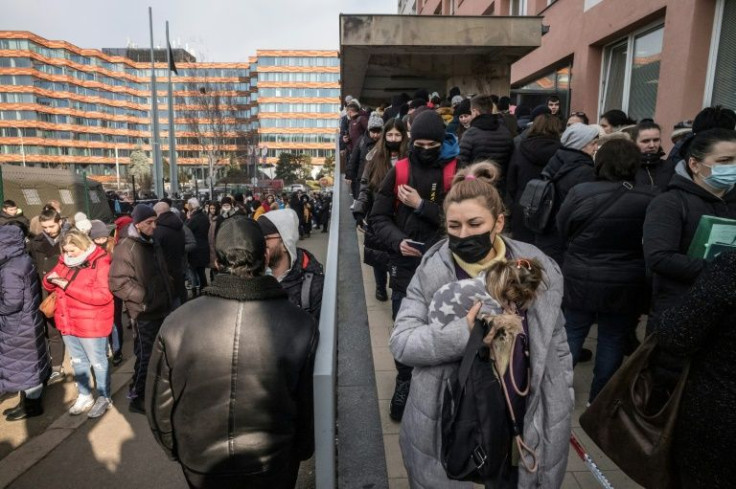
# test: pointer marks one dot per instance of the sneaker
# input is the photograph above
(81, 404)
(398, 401)
(102, 404)
(56, 377)
(136, 406)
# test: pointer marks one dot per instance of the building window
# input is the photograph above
(721, 81)
(631, 74)
(517, 7)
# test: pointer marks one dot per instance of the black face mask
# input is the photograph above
(393, 145)
(427, 156)
(473, 248)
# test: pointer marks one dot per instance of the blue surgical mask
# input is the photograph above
(722, 177)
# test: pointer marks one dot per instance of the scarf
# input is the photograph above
(227, 286)
(474, 269)
(75, 261)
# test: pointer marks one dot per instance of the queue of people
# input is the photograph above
(615, 253)
(71, 289)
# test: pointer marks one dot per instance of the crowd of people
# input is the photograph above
(70, 287)
(438, 186)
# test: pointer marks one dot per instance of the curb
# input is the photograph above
(23, 458)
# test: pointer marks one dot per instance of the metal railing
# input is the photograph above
(325, 365)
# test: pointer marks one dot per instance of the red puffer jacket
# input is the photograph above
(85, 308)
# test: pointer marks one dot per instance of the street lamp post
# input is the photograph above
(22, 145)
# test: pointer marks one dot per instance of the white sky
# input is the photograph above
(217, 30)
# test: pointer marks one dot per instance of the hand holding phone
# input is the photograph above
(417, 245)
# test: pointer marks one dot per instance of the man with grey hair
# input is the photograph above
(199, 257)
(170, 235)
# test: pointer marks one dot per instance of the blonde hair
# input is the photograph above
(477, 182)
(77, 238)
(514, 283)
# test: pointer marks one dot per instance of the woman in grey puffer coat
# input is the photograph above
(474, 220)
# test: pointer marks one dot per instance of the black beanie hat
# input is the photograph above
(422, 94)
(428, 125)
(539, 110)
(463, 108)
(453, 91)
(141, 212)
(239, 232)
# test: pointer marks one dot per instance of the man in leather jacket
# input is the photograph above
(232, 402)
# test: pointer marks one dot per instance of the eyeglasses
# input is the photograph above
(578, 114)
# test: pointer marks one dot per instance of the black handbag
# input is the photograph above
(633, 423)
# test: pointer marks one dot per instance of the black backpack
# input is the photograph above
(538, 201)
(476, 429)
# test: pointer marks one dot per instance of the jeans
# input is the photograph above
(613, 331)
(86, 353)
(145, 336)
(403, 371)
(116, 336)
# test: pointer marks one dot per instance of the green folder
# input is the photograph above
(713, 231)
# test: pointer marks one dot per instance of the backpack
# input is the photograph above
(478, 424)
(538, 201)
(402, 176)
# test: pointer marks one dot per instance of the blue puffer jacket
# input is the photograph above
(24, 361)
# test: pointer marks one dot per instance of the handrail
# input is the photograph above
(326, 357)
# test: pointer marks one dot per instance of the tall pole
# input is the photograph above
(117, 166)
(158, 167)
(22, 145)
(174, 172)
(212, 176)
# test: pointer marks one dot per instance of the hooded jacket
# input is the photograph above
(357, 126)
(487, 138)
(435, 350)
(84, 308)
(235, 397)
(669, 228)
(569, 167)
(394, 222)
(655, 172)
(305, 278)
(200, 226)
(526, 164)
(139, 277)
(24, 361)
(170, 235)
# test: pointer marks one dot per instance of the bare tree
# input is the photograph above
(211, 115)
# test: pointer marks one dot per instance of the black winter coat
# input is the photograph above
(170, 235)
(703, 327)
(235, 397)
(526, 164)
(45, 255)
(569, 167)
(487, 138)
(24, 361)
(604, 261)
(356, 165)
(672, 219)
(393, 223)
(655, 172)
(199, 224)
(305, 263)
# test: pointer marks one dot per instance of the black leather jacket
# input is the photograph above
(230, 380)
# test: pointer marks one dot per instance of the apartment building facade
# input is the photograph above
(295, 100)
(661, 59)
(88, 109)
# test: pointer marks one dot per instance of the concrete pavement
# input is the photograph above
(115, 451)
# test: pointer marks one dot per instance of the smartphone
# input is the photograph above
(420, 247)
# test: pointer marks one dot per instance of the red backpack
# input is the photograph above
(402, 176)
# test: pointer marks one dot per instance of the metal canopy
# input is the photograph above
(385, 55)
